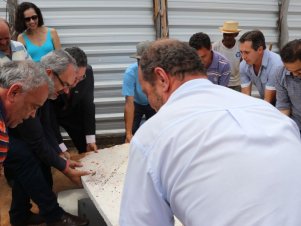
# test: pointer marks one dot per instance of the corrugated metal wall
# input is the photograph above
(189, 17)
(294, 19)
(2, 9)
(108, 32)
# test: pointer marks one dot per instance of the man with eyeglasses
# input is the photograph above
(75, 111)
(288, 83)
(34, 150)
(10, 50)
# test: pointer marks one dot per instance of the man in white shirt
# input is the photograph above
(229, 48)
(210, 155)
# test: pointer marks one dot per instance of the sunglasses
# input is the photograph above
(28, 19)
(64, 84)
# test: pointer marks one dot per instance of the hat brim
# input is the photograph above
(135, 56)
(229, 32)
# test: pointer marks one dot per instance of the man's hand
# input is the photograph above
(92, 147)
(65, 155)
(73, 164)
(75, 175)
(128, 138)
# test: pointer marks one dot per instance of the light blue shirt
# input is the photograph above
(18, 53)
(212, 156)
(271, 66)
(219, 71)
(131, 85)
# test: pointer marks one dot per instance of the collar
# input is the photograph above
(2, 111)
(290, 74)
(265, 58)
(13, 46)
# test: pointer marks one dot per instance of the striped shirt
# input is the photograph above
(18, 53)
(3, 137)
(219, 70)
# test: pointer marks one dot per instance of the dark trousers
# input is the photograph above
(140, 111)
(30, 179)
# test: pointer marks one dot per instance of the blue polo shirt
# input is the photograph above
(219, 70)
(288, 94)
(270, 67)
(131, 85)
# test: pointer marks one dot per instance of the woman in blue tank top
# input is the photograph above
(38, 39)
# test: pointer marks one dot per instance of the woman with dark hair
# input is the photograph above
(38, 39)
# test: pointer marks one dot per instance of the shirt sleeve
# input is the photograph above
(275, 72)
(128, 86)
(142, 203)
(282, 98)
(225, 77)
(244, 77)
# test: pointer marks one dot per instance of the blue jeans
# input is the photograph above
(31, 179)
(140, 111)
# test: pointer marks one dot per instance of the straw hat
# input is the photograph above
(230, 27)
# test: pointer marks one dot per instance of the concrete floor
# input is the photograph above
(61, 183)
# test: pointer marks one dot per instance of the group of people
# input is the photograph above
(42, 87)
(208, 154)
(212, 155)
(236, 64)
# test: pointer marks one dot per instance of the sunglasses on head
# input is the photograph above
(28, 19)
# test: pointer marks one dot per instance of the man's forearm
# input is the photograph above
(246, 90)
(270, 96)
(286, 111)
(129, 116)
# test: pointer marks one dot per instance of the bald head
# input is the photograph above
(4, 36)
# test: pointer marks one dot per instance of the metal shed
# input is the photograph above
(108, 31)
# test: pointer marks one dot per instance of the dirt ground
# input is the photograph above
(61, 183)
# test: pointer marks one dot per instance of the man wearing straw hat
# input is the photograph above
(229, 48)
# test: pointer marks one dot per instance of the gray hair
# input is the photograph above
(28, 74)
(58, 61)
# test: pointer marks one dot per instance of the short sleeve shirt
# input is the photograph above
(219, 70)
(18, 53)
(288, 94)
(271, 66)
(131, 85)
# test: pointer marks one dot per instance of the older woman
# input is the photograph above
(38, 39)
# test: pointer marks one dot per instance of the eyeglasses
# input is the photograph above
(28, 19)
(64, 84)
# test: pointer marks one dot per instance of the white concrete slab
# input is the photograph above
(105, 187)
